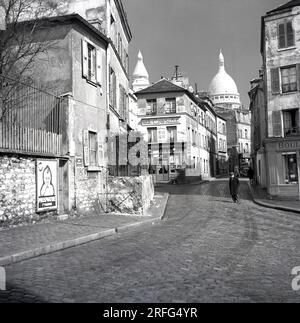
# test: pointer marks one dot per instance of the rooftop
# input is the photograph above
(287, 5)
(162, 86)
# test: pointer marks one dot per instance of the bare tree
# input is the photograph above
(19, 42)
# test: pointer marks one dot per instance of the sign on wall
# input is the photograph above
(46, 181)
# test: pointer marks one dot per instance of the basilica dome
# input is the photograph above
(222, 88)
(140, 75)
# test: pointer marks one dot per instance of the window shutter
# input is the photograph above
(114, 91)
(290, 34)
(281, 36)
(276, 122)
(101, 160)
(86, 152)
(275, 82)
(84, 58)
(98, 67)
(298, 76)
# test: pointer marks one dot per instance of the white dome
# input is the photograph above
(140, 69)
(223, 84)
(140, 75)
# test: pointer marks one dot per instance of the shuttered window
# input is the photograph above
(112, 88)
(286, 36)
(289, 79)
(91, 63)
(93, 148)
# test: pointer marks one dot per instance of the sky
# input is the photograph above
(190, 33)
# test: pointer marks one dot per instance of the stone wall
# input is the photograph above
(130, 195)
(17, 190)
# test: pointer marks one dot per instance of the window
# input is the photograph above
(152, 134)
(172, 134)
(286, 35)
(151, 107)
(93, 148)
(246, 133)
(291, 173)
(112, 88)
(246, 150)
(289, 79)
(170, 106)
(91, 62)
(291, 122)
(224, 129)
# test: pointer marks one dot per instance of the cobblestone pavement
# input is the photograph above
(206, 250)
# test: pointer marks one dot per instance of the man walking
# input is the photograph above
(234, 184)
(251, 174)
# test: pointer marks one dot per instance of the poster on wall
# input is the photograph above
(46, 180)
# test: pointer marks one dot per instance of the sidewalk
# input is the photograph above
(21, 243)
(262, 198)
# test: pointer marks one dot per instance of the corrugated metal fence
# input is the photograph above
(30, 119)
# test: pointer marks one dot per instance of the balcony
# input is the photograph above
(289, 132)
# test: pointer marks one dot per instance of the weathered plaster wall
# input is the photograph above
(276, 57)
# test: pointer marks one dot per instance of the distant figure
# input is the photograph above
(234, 184)
(251, 174)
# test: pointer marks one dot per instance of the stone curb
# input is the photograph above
(271, 206)
(51, 248)
(192, 183)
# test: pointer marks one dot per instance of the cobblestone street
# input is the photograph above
(207, 249)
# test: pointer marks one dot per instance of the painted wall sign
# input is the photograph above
(46, 185)
(161, 121)
(289, 144)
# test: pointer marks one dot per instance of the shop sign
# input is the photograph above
(289, 144)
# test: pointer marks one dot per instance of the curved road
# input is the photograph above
(206, 250)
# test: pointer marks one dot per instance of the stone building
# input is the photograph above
(180, 130)
(258, 129)
(280, 49)
(55, 161)
(226, 98)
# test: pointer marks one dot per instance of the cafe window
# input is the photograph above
(152, 134)
(290, 166)
(172, 134)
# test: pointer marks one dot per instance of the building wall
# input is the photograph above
(85, 103)
(198, 154)
(230, 117)
(275, 57)
(17, 190)
(279, 146)
(258, 130)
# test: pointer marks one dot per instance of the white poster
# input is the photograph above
(46, 178)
